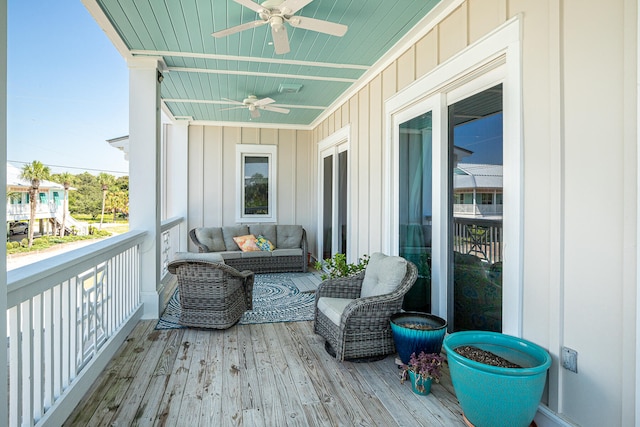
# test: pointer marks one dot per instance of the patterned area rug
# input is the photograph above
(275, 299)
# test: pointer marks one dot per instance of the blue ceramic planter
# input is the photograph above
(408, 340)
(492, 396)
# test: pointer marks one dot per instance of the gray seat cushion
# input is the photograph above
(287, 252)
(382, 275)
(256, 254)
(211, 237)
(196, 256)
(289, 236)
(231, 254)
(231, 231)
(333, 307)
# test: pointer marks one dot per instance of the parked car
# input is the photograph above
(18, 228)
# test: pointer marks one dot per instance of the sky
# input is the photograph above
(67, 89)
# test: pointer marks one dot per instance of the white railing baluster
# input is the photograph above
(48, 348)
(27, 368)
(38, 355)
(65, 332)
(15, 366)
(73, 322)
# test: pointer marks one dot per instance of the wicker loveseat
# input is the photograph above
(289, 242)
(212, 294)
(352, 313)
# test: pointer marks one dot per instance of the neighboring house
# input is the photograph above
(477, 191)
(49, 207)
(122, 144)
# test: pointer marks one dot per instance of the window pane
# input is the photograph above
(415, 170)
(256, 185)
(342, 200)
(475, 130)
(327, 213)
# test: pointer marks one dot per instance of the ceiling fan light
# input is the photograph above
(277, 23)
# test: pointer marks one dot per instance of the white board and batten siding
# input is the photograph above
(213, 174)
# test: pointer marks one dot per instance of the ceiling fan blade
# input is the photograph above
(319, 25)
(254, 113)
(263, 101)
(238, 28)
(280, 39)
(292, 6)
(251, 5)
(276, 109)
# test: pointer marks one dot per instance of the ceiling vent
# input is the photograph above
(289, 88)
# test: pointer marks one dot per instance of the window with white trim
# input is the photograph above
(256, 189)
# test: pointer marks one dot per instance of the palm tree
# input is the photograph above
(66, 178)
(105, 180)
(34, 172)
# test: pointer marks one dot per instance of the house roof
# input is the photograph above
(14, 180)
(471, 175)
(205, 77)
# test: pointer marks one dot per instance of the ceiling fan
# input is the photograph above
(254, 105)
(276, 13)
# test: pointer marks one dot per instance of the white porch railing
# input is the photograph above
(66, 317)
(171, 238)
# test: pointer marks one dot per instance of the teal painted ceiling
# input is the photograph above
(204, 72)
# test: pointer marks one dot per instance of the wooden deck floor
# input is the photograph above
(259, 375)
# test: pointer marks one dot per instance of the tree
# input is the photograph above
(117, 202)
(34, 172)
(105, 180)
(66, 179)
(86, 199)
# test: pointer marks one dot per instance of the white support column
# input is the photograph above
(177, 191)
(144, 175)
(3, 196)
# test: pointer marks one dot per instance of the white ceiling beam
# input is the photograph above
(250, 59)
(207, 101)
(253, 73)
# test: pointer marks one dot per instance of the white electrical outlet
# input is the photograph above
(570, 359)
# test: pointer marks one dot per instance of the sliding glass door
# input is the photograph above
(333, 221)
(475, 129)
(415, 203)
(449, 218)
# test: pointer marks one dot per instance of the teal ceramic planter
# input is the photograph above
(419, 385)
(408, 340)
(492, 396)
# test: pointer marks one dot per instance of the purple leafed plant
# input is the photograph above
(425, 366)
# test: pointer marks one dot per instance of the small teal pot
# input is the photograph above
(492, 396)
(419, 385)
(408, 340)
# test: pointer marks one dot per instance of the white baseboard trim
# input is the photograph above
(545, 417)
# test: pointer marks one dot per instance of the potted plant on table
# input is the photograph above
(421, 371)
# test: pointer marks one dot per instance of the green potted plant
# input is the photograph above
(337, 266)
(421, 371)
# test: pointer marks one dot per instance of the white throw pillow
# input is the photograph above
(382, 275)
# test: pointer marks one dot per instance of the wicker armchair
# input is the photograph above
(212, 295)
(364, 328)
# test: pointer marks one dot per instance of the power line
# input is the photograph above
(70, 167)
